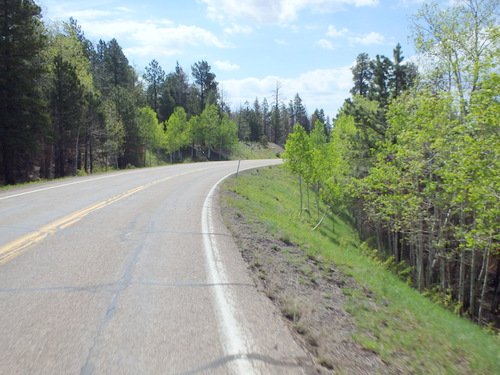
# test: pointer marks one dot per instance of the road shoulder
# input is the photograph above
(305, 294)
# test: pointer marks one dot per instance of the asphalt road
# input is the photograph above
(133, 272)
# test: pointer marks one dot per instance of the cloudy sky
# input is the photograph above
(306, 45)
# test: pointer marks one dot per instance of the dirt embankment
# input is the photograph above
(309, 295)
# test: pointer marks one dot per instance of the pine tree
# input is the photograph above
(205, 80)
(380, 84)
(403, 75)
(119, 73)
(362, 75)
(23, 116)
(66, 103)
(266, 119)
(257, 129)
(155, 77)
(301, 113)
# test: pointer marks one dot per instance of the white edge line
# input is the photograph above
(231, 335)
(89, 180)
(68, 184)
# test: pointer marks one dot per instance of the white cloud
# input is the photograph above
(324, 88)
(282, 42)
(368, 39)
(89, 14)
(407, 3)
(226, 65)
(323, 43)
(153, 37)
(238, 29)
(361, 3)
(334, 33)
(124, 9)
(276, 12)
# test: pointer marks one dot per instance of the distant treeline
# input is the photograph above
(68, 105)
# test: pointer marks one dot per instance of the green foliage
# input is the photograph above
(63, 42)
(155, 77)
(249, 123)
(218, 131)
(177, 135)
(362, 75)
(323, 165)
(226, 135)
(339, 164)
(111, 137)
(409, 332)
(297, 149)
(23, 113)
(210, 131)
(66, 95)
(244, 150)
(460, 44)
(150, 131)
(205, 82)
(81, 106)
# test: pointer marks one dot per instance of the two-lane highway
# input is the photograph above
(132, 273)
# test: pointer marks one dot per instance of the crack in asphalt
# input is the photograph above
(250, 356)
(112, 287)
(88, 368)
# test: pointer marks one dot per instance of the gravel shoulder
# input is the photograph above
(309, 294)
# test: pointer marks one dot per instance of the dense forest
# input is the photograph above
(415, 157)
(71, 106)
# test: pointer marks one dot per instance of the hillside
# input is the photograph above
(351, 313)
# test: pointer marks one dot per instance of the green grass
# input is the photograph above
(7, 187)
(407, 330)
(254, 150)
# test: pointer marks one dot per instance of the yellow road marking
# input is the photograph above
(22, 244)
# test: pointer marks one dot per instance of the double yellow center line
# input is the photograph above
(20, 245)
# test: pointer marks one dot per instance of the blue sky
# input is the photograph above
(306, 45)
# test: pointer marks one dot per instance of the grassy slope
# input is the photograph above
(404, 328)
(256, 151)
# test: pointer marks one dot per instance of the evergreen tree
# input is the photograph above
(257, 129)
(298, 114)
(127, 106)
(180, 87)
(380, 83)
(87, 46)
(205, 82)
(155, 77)
(22, 109)
(362, 75)
(319, 115)
(266, 119)
(110, 138)
(66, 103)
(118, 85)
(75, 104)
(118, 71)
(403, 75)
(98, 64)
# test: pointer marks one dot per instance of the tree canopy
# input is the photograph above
(415, 157)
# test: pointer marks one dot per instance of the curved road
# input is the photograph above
(132, 273)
